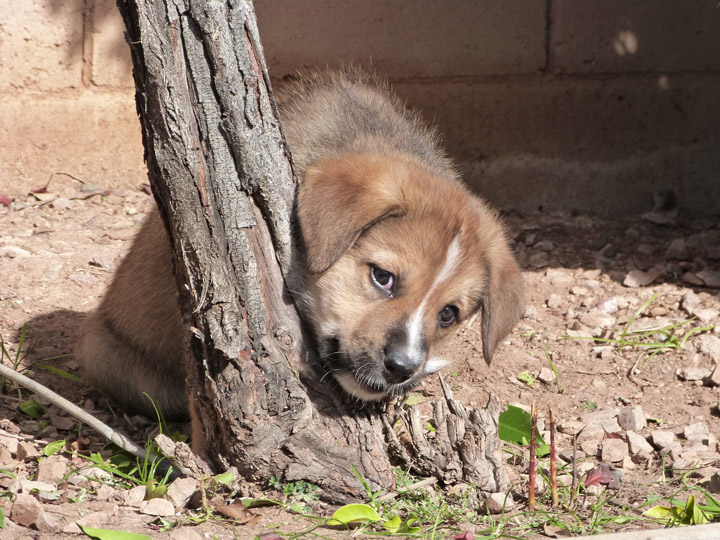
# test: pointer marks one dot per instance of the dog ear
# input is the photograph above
(337, 200)
(503, 302)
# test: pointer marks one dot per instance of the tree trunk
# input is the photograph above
(222, 177)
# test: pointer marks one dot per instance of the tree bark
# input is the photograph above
(222, 176)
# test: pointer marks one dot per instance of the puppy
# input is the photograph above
(396, 253)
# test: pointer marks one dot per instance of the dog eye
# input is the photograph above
(448, 316)
(383, 280)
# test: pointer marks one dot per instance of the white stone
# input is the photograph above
(180, 491)
(662, 439)
(698, 431)
(638, 444)
(498, 503)
(157, 507)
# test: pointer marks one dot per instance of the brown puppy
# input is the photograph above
(397, 252)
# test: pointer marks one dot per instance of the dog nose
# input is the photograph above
(400, 366)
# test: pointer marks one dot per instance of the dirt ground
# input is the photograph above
(57, 256)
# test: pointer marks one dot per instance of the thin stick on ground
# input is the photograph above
(533, 447)
(553, 460)
(103, 429)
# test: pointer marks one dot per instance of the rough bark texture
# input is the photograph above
(222, 176)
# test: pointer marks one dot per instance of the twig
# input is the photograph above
(106, 431)
(553, 460)
(83, 182)
(417, 485)
(533, 444)
(573, 486)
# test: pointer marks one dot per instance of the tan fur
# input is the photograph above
(375, 192)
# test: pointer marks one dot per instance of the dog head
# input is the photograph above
(397, 256)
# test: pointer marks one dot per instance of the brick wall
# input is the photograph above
(589, 105)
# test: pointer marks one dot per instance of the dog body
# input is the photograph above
(396, 252)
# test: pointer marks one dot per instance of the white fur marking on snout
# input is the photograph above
(434, 364)
(414, 323)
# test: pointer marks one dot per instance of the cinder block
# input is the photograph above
(92, 135)
(41, 44)
(591, 145)
(610, 36)
(405, 39)
(111, 64)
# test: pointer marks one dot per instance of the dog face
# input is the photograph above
(396, 257)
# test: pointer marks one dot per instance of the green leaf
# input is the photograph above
(60, 373)
(663, 513)
(224, 478)
(527, 378)
(110, 534)
(411, 525)
(32, 408)
(249, 502)
(3, 525)
(351, 513)
(414, 398)
(515, 426)
(53, 448)
(393, 524)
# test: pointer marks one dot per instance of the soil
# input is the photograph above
(57, 257)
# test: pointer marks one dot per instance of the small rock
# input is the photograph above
(597, 319)
(708, 345)
(691, 373)
(708, 316)
(6, 459)
(28, 486)
(61, 203)
(26, 450)
(180, 491)
(498, 503)
(546, 375)
(26, 510)
(94, 520)
(638, 278)
(662, 439)
(186, 533)
(713, 486)
(609, 306)
(52, 469)
(84, 279)
(692, 279)
(677, 249)
(554, 301)
(95, 473)
(545, 245)
(65, 423)
(711, 278)
(658, 311)
(567, 455)
(135, 496)
(157, 507)
(698, 431)
(578, 291)
(105, 492)
(632, 418)
(638, 445)
(13, 252)
(47, 523)
(614, 450)
(539, 260)
(590, 446)
(714, 378)
(690, 302)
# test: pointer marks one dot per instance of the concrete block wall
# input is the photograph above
(586, 105)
